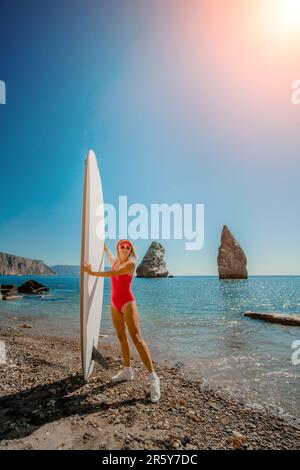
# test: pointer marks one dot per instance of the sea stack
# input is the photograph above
(153, 264)
(232, 260)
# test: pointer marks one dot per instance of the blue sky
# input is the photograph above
(176, 110)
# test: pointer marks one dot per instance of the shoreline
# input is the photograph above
(45, 404)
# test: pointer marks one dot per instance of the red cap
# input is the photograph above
(127, 241)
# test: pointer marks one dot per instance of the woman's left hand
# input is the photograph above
(87, 268)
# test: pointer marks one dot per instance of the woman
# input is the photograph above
(124, 312)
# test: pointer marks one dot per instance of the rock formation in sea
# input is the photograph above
(8, 290)
(283, 318)
(17, 265)
(231, 260)
(11, 291)
(32, 287)
(153, 264)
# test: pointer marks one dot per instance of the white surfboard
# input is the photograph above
(92, 252)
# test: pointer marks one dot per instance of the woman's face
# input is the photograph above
(124, 249)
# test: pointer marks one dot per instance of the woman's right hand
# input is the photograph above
(87, 268)
(105, 247)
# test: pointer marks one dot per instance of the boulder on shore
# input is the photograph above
(231, 260)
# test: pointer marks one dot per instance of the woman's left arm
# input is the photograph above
(128, 268)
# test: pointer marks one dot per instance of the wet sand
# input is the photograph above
(45, 404)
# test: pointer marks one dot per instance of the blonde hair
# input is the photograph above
(132, 254)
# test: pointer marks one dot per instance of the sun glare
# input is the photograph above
(285, 16)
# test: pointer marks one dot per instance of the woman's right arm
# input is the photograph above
(109, 255)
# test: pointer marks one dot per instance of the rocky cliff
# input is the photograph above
(17, 265)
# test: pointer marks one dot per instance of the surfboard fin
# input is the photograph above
(97, 357)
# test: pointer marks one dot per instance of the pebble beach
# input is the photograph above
(45, 404)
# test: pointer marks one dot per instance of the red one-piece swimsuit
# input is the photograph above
(121, 293)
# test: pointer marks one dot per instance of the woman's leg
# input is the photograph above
(131, 316)
(120, 326)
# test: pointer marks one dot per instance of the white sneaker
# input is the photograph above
(125, 374)
(155, 388)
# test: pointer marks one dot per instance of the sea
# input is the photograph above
(199, 323)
